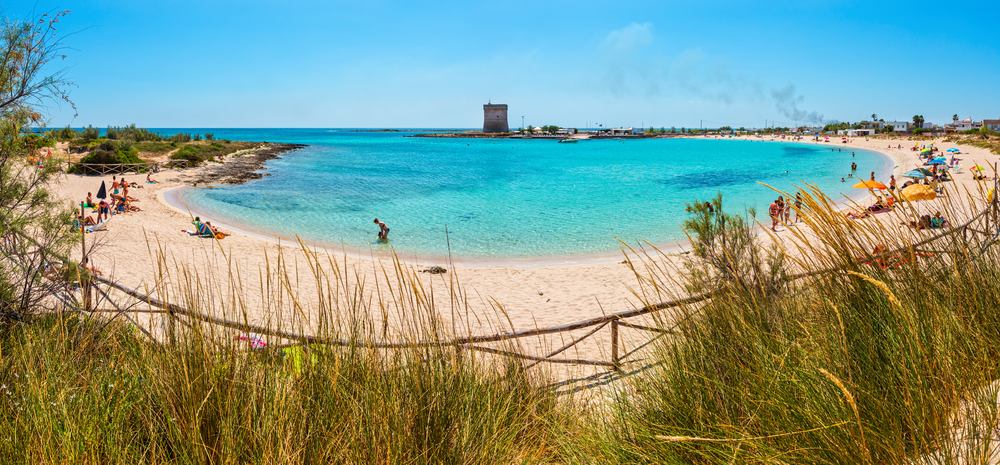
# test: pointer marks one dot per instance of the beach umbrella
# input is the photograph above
(869, 184)
(917, 192)
(954, 150)
(938, 161)
(915, 174)
(977, 168)
(102, 193)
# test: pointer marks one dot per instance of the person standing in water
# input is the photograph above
(383, 231)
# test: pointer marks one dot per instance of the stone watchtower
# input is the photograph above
(495, 117)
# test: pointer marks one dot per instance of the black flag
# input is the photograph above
(102, 193)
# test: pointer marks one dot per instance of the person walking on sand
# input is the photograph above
(798, 206)
(383, 231)
(786, 211)
(774, 211)
(892, 182)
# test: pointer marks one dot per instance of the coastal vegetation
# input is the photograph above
(867, 363)
(197, 153)
(134, 145)
(874, 363)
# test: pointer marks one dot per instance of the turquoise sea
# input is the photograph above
(508, 198)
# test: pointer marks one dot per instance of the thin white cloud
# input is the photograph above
(629, 38)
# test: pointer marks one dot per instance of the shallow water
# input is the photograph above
(510, 198)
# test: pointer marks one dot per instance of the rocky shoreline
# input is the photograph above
(240, 167)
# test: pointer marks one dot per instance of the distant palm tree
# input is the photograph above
(954, 118)
(874, 117)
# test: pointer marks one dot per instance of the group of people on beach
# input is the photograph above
(120, 202)
(781, 212)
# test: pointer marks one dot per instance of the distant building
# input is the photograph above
(856, 132)
(959, 125)
(495, 117)
(992, 124)
(899, 126)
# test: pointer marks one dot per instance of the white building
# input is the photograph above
(992, 124)
(965, 125)
(855, 132)
(899, 126)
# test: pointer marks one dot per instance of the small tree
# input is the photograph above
(727, 253)
(33, 225)
(89, 133)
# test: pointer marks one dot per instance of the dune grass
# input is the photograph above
(865, 365)
(76, 389)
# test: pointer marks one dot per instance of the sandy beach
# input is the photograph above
(531, 293)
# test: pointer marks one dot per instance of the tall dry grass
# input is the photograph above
(887, 360)
(75, 389)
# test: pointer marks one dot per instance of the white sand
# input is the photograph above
(532, 293)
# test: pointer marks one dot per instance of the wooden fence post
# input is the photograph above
(84, 277)
(614, 344)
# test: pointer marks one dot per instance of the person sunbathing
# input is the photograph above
(938, 221)
(82, 221)
(884, 259)
(924, 222)
(205, 229)
(202, 230)
(149, 179)
(879, 206)
(857, 215)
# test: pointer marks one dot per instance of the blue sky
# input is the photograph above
(433, 64)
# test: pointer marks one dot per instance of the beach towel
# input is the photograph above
(97, 227)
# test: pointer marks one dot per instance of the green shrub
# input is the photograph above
(109, 152)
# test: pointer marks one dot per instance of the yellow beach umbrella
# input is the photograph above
(869, 184)
(917, 192)
(977, 168)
